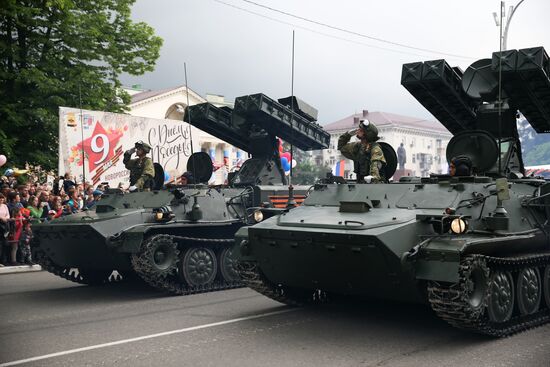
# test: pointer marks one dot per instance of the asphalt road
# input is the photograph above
(64, 324)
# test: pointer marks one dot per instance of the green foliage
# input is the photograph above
(307, 172)
(538, 154)
(57, 52)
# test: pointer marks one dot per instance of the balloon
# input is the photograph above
(294, 163)
(287, 156)
(3, 160)
(8, 172)
(285, 164)
(19, 172)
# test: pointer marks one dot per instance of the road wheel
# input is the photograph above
(228, 266)
(198, 266)
(529, 291)
(501, 297)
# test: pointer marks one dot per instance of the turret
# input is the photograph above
(480, 106)
(253, 126)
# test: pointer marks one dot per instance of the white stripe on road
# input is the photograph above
(139, 338)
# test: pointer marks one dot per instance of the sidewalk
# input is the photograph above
(19, 269)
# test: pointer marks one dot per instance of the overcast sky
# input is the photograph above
(236, 47)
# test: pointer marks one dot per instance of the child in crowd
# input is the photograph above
(25, 244)
(15, 235)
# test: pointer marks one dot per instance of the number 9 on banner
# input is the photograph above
(103, 148)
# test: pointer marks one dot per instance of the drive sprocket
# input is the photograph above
(158, 255)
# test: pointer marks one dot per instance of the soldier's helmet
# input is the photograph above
(463, 165)
(146, 147)
(370, 130)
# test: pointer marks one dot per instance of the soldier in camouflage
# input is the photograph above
(366, 154)
(141, 168)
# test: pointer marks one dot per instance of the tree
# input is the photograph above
(57, 52)
(306, 172)
(539, 154)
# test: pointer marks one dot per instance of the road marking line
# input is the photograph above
(139, 338)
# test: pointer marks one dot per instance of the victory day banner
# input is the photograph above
(92, 144)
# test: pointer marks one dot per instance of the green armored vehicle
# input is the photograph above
(476, 247)
(179, 239)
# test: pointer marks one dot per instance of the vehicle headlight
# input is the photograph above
(258, 216)
(459, 225)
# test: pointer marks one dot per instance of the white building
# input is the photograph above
(170, 104)
(424, 141)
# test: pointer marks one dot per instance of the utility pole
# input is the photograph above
(499, 20)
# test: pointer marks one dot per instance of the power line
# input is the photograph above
(353, 32)
(322, 33)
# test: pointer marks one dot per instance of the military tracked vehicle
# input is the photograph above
(476, 248)
(178, 239)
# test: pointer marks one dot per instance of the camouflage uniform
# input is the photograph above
(368, 158)
(25, 247)
(142, 170)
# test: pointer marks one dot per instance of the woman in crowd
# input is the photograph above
(56, 206)
(35, 209)
(74, 200)
(88, 193)
(43, 200)
(4, 230)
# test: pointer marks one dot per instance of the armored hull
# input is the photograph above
(392, 241)
(152, 234)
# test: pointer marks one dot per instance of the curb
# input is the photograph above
(19, 269)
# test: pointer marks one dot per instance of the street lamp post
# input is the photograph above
(498, 21)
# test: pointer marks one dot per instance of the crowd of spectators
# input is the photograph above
(22, 204)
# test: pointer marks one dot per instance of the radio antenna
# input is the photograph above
(189, 121)
(291, 203)
(82, 137)
(500, 93)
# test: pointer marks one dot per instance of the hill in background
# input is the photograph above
(535, 147)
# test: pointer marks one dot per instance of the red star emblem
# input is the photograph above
(100, 147)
